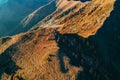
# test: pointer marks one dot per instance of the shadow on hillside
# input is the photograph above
(81, 53)
(98, 54)
(86, 53)
(7, 65)
(85, 0)
(108, 39)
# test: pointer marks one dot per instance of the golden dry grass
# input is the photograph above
(31, 50)
(37, 56)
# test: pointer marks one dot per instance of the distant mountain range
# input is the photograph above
(13, 11)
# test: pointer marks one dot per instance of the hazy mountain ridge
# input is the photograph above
(13, 11)
(36, 16)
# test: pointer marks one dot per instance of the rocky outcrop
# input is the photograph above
(83, 18)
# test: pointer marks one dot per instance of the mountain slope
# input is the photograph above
(49, 53)
(69, 14)
(83, 18)
(41, 44)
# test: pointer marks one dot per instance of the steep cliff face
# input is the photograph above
(56, 50)
(89, 19)
(83, 18)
